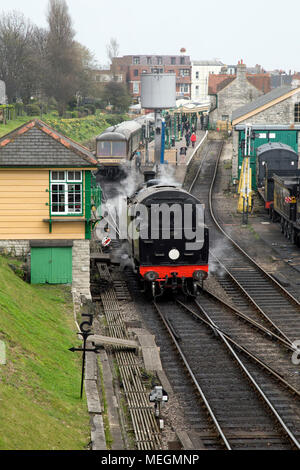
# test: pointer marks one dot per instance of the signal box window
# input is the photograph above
(66, 195)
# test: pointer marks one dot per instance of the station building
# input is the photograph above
(274, 117)
(229, 92)
(46, 204)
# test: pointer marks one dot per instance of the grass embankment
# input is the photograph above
(40, 406)
(80, 129)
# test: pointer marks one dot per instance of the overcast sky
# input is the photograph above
(264, 32)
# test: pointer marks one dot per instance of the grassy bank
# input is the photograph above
(40, 383)
(80, 130)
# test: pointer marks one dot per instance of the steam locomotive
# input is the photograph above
(279, 185)
(168, 247)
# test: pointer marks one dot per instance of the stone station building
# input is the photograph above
(274, 117)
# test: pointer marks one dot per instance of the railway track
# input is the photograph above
(230, 388)
(237, 355)
(240, 275)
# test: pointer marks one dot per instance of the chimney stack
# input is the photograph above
(241, 71)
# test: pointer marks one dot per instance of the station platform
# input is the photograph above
(175, 162)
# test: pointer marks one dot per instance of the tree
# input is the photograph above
(117, 95)
(112, 50)
(64, 58)
(17, 56)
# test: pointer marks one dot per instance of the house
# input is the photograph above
(200, 73)
(135, 65)
(274, 117)
(229, 92)
(46, 197)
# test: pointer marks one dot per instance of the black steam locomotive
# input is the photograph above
(168, 241)
(278, 181)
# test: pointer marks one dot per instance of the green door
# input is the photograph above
(51, 265)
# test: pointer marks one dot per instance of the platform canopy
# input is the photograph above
(189, 106)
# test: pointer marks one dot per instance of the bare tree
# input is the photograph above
(112, 49)
(63, 58)
(17, 56)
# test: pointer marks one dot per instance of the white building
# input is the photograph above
(200, 72)
(2, 92)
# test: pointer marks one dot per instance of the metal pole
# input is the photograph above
(83, 364)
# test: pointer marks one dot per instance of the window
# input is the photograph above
(197, 75)
(184, 72)
(119, 149)
(159, 60)
(297, 112)
(184, 88)
(173, 60)
(182, 60)
(135, 87)
(104, 149)
(157, 70)
(149, 60)
(136, 60)
(66, 192)
(136, 73)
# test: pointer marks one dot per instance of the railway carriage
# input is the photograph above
(286, 207)
(116, 146)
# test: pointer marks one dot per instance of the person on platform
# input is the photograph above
(201, 121)
(193, 139)
(187, 138)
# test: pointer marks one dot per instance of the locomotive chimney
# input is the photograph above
(149, 175)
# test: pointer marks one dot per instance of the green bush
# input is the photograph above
(32, 109)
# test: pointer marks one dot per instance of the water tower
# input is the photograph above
(158, 92)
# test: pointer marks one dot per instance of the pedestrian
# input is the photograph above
(138, 159)
(193, 139)
(187, 138)
(201, 121)
(193, 128)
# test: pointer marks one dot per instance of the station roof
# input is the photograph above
(263, 102)
(189, 106)
(216, 82)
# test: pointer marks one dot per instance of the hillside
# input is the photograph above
(40, 383)
(81, 129)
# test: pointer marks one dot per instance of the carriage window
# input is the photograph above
(104, 148)
(119, 148)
